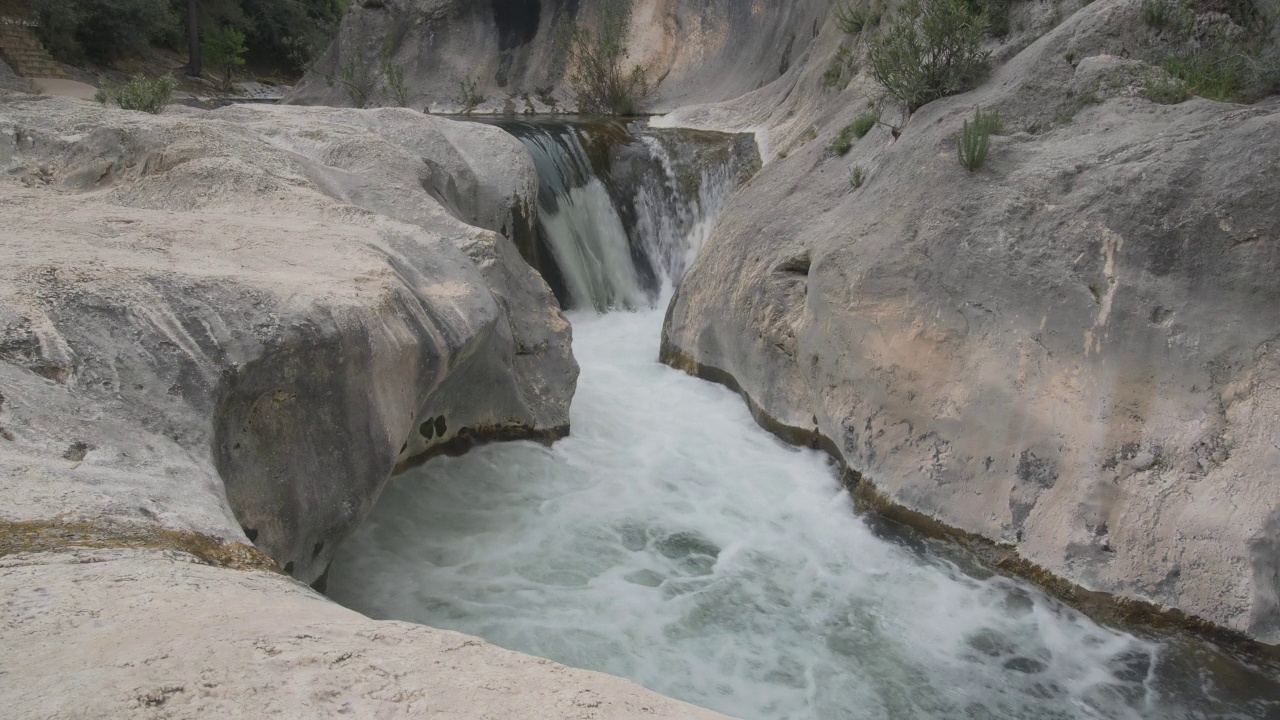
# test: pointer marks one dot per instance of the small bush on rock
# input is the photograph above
(932, 50)
(144, 94)
(854, 18)
(843, 141)
(469, 93)
(596, 60)
(842, 67)
(857, 176)
(975, 139)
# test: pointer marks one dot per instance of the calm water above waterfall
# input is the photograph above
(671, 541)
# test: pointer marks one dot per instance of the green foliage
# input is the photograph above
(853, 18)
(842, 68)
(1166, 14)
(1215, 77)
(932, 50)
(103, 30)
(843, 141)
(597, 72)
(395, 88)
(470, 96)
(857, 176)
(285, 34)
(864, 122)
(224, 49)
(278, 33)
(995, 11)
(145, 94)
(975, 139)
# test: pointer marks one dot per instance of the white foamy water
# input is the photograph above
(671, 541)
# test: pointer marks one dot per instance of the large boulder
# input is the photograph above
(1072, 352)
(267, 300)
(220, 333)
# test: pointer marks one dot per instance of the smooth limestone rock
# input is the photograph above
(701, 52)
(1074, 351)
(225, 327)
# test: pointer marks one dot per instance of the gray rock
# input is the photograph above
(269, 296)
(1001, 350)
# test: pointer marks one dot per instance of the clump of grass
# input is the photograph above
(975, 139)
(1216, 78)
(1160, 87)
(843, 141)
(145, 94)
(841, 69)
(864, 122)
(857, 176)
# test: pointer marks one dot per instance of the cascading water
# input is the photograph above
(672, 541)
(619, 218)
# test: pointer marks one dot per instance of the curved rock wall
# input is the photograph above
(1071, 352)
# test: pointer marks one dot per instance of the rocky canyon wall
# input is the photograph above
(1069, 353)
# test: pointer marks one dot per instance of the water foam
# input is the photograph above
(671, 541)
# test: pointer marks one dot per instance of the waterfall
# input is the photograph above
(619, 219)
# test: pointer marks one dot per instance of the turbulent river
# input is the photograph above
(672, 541)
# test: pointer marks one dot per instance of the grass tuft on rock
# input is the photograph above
(144, 94)
(864, 122)
(857, 176)
(975, 139)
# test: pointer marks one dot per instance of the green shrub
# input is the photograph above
(470, 95)
(1165, 14)
(864, 122)
(223, 49)
(975, 139)
(1160, 87)
(931, 51)
(843, 141)
(841, 69)
(395, 88)
(145, 94)
(995, 11)
(857, 176)
(854, 18)
(596, 60)
(358, 75)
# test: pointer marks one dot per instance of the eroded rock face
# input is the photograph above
(269, 301)
(1073, 351)
(705, 51)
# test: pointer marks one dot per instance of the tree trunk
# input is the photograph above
(194, 68)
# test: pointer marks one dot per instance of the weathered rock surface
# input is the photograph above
(702, 52)
(1075, 351)
(229, 327)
